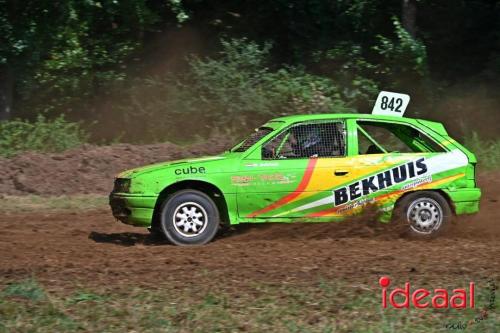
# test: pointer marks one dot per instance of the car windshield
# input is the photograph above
(252, 139)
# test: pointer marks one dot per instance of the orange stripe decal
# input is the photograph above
(286, 199)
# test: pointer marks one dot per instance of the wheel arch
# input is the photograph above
(208, 188)
(439, 191)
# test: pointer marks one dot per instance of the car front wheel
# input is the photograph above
(426, 213)
(189, 217)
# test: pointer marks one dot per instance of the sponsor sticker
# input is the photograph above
(379, 181)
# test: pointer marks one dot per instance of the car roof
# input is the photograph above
(325, 116)
(427, 124)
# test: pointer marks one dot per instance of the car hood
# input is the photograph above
(132, 173)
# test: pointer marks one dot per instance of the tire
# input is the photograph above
(426, 213)
(189, 217)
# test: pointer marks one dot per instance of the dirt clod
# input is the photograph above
(89, 169)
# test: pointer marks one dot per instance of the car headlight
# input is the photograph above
(122, 185)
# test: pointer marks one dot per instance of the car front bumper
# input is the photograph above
(133, 209)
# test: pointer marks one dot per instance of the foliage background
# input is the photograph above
(180, 70)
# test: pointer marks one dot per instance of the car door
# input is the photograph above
(294, 173)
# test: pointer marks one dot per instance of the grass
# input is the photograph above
(43, 135)
(31, 203)
(326, 306)
(487, 152)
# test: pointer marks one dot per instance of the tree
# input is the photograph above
(56, 51)
(409, 16)
(6, 90)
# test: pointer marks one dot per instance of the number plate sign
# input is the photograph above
(391, 104)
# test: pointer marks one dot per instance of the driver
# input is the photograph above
(308, 143)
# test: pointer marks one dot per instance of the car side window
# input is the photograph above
(382, 137)
(310, 140)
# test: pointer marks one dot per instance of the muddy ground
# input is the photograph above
(91, 248)
(90, 169)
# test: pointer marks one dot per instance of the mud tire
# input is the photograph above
(194, 209)
(427, 214)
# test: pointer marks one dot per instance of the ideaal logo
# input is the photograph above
(423, 298)
(379, 181)
(461, 298)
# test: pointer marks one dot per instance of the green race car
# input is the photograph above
(307, 168)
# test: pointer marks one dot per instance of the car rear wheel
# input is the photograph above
(426, 213)
(189, 217)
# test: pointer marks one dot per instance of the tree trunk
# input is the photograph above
(409, 16)
(6, 91)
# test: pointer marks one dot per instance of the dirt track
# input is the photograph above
(92, 248)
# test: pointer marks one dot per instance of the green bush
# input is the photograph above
(348, 68)
(404, 58)
(239, 86)
(237, 89)
(226, 94)
(41, 135)
(486, 151)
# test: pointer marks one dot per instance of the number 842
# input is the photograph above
(394, 104)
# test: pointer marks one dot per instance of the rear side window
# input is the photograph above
(311, 140)
(381, 137)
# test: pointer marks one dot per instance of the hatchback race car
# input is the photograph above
(307, 168)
